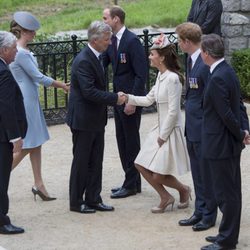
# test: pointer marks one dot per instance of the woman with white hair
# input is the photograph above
(26, 72)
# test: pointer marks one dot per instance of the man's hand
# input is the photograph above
(121, 98)
(160, 141)
(246, 139)
(129, 109)
(17, 146)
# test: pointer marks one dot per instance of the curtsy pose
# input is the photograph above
(164, 154)
(26, 73)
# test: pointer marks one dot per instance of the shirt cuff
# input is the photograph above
(16, 139)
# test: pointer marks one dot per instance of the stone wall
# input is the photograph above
(236, 25)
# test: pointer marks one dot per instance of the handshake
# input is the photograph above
(122, 98)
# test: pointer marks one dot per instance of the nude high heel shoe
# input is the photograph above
(44, 197)
(185, 204)
(160, 210)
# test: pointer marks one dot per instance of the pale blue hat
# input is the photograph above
(26, 20)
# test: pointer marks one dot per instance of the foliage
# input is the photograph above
(65, 15)
(241, 63)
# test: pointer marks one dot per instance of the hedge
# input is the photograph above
(241, 63)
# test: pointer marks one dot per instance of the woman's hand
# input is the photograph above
(160, 141)
(66, 87)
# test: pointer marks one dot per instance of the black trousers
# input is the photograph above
(128, 141)
(207, 213)
(226, 183)
(86, 169)
(6, 158)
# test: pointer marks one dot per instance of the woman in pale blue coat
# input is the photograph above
(26, 72)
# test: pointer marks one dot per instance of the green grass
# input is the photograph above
(65, 15)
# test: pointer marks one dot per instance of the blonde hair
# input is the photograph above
(189, 31)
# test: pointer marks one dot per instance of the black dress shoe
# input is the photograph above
(123, 193)
(216, 246)
(211, 239)
(84, 209)
(11, 229)
(202, 226)
(113, 190)
(190, 222)
(102, 207)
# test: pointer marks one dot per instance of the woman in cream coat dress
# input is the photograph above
(164, 154)
(26, 73)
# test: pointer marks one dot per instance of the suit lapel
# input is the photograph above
(196, 65)
(97, 65)
(193, 72)
(200, 5)
(210, 76)
(121, 48)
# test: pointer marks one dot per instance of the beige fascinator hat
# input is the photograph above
(160, 42)
(26, 20)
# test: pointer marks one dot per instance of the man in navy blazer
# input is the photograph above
(189, 38)
(87, 118)
(129, 66)
(224, 132)
(207, 14)
(13, 126)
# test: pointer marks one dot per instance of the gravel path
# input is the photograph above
(50, 225)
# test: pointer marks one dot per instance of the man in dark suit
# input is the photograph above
(207, 14)
(189, 38)
(129, 66)
(223, 140)
(87, 117)
(13, 126)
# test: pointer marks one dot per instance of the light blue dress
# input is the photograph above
(26, 72)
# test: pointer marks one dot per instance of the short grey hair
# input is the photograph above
(97, 29)
(213, 45)
(7, 39)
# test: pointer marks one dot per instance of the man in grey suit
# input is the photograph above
(207, 14)
(223, 137)
(87, 117)
(13, 126)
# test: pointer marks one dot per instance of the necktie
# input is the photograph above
(101, 61)
(114, 44)
(188, 70)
